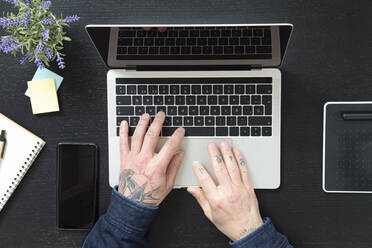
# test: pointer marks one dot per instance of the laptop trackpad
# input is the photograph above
(196, 149)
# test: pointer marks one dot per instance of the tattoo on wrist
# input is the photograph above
(231, 158)
(130, 189)
(218, 159)
(201, 170)
(242, 162)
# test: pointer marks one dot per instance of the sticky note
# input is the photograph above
(43, 96)
(44, 74)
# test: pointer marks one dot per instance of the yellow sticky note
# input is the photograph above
(43, 96)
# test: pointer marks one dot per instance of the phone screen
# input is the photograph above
(76, 190)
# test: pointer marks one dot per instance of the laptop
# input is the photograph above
(219, 82)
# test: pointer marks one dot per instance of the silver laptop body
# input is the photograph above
(262, 152)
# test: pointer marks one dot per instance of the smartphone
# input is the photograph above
(76, 185)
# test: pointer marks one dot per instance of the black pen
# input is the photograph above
(2, 143)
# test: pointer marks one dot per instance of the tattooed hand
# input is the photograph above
(147, 177)
(232, 205)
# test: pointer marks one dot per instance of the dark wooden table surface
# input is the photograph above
(328, 59)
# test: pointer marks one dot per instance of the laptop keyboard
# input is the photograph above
(204, 107)
(195, 42)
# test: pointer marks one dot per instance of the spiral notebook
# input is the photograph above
(21, 149)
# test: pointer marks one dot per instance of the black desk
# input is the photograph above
(329, 58)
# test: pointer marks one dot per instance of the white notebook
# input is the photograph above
(21, 149)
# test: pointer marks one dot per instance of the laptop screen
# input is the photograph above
(261, 45)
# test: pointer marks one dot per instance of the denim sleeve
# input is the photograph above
(265, 236)
(124, 225)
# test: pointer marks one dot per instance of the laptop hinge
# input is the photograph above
(194, 67)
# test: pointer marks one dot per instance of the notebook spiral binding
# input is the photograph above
(20, 174)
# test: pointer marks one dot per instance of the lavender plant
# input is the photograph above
(35, 32)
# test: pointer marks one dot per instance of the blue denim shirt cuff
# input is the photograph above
(129, 216)
(265, 233)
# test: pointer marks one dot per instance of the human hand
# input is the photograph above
(232, 205)
(161, 29)
(145, 176)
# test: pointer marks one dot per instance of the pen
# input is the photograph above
(2, 143)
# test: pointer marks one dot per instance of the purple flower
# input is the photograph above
(39, 48)
(69, 19)
(24, 59)
(45, 4)
(45, 34)
(48, 53)
(11, 1)
(28, 3)
(26, 19)
(47, 21)
(61, 63)
(6, 22)
(39, 63)
(9, 44)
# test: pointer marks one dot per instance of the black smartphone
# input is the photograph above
(76, 185)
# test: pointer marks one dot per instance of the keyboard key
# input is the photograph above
(169, 100)
(212, 41)
(193, 110)
(263, 49)
(177, 121)
(204, 33)
(236, 32)
(150, 110)
(202, 41)
(174, 89)
(220, 121)
(199, 131)
(259, 121)
(199, 121)
(228, 89)
(196, 50)
(175, 50)
(125, 42)
(264, 89)
(234, 100)
(239, 49)
(207, 50)
(226, 110)
(194, 33)
(212, 100)
(140, 110)
(217, 89)
(161, 109)
(147, 100)
(244, 100)
(233, 41)
(143, 50)
(201, 100)
(142, 89)
(159, 42)
(266, 131)
(218, 50)
(125, 110)
(244, 131)
(196, 89)
(247, 32)
(164, 50)
(223, 100)
(167, 121)
(132, 50)
(215, 33)
(158, 100)
(120, 90)
(207, 89)
(242, 121)
(190, 100)
(137, 100)
(185, 50)
(185, 89)
(188, 121)
(239, 89)
(154, 50)
(141, 33)
(180, 42)
(231, 120)
(215, 110)
(120, 119)
(247, 110)
(268, 109)
(223, 41)
(164, 89)
(149, 41)
(209, 121)
(258, 110)
(236, 110)
(123, 100)
(250, 89)
(172, 110)
(226, 32)
(245, 41)
(191, 42)
(228, 49)
(222, 131)
(234, 131)
(204, 110)
(131, 89)
(256, 99)
(133, 121)
(180, 100)
(255, 41)
(266, 99)
(257, 32)
(126, 33)
(168, 131)
(153, 89)
(183, 110)
(256, 131)
(250, 49)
